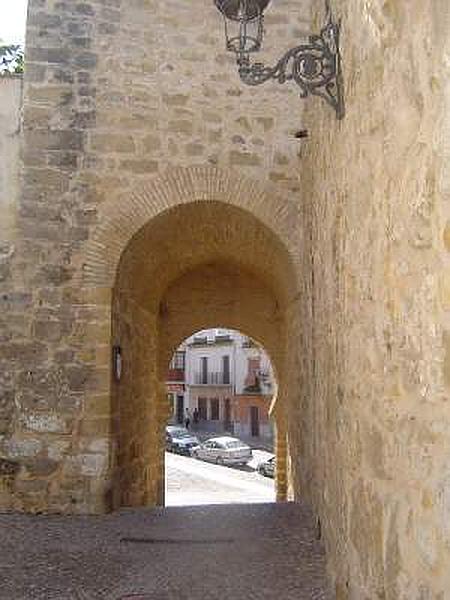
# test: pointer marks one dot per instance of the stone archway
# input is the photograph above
(196, 249)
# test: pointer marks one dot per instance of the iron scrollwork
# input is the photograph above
(314, 66)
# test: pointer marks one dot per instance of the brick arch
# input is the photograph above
(118, 221)
(141, 247)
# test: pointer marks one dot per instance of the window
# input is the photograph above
(234, 444)
(204, 369)
(178, 360)
(214, 409)
(222, 339)
(252, 383)
(226, 369)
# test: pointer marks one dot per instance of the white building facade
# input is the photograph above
(228, 384)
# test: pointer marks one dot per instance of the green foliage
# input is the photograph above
(11, 59)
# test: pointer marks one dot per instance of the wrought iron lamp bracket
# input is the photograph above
(315, 66)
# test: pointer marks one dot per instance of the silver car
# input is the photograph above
(223, 450)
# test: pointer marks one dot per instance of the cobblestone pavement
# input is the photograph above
(227, 552)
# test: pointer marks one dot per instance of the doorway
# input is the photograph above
(180, 409)
(202, 409)
(254, 421)
(227, 424)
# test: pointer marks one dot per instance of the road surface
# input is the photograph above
(191, 482)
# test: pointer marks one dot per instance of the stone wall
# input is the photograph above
(13, 304)
(10, 111)
(374, 348)
(136, 427)
(10, 104)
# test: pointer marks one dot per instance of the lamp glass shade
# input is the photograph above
(241, 10)
(243, 24)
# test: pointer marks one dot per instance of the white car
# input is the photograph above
(223, 450)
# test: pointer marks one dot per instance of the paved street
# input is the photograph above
(250, 549)
(227, 552)
(190, 481)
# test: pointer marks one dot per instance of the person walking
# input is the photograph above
(187, 419)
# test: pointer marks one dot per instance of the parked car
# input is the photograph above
(223, 450)
(267, 467)
(180, 440)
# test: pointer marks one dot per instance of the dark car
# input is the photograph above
(179, 440)
(267, 467)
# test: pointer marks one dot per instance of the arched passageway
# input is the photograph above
(190, 268)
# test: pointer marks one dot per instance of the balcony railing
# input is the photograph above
(212, 378)
(175, 375)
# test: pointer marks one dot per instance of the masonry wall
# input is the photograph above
(136, 431)
(10, 112)
(374, 347)
(11, 305)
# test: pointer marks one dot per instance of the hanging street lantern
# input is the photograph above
(243, 24)
(315, 65)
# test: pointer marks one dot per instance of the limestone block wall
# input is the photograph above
(11, 305)
(134, 404)
(10, 112)
(166, 93)
(374, 346)
(10, 105)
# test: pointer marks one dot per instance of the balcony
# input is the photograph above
(175, 375)
(223, 339)
(199, 341)
(212, 378)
